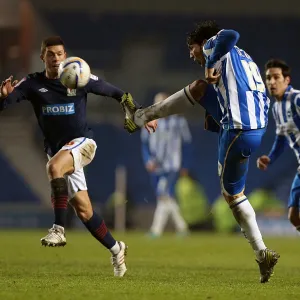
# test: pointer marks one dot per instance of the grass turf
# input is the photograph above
(201, 266)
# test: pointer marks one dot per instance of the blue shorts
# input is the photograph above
(295, 192)
(235, 148)
(164, 184)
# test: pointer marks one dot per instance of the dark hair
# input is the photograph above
(278, 63)
(51, 41)
(203, 31)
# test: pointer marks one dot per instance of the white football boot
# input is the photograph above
(118, 261)
(55, 238)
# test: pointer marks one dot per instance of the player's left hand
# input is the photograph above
(211, 75)
(151, 126)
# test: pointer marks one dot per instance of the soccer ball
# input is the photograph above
(74, 73)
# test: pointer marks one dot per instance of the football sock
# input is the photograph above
(59, 191)
(98, 229)
(245, 216)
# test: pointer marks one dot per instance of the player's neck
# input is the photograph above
(50, 75)
(279, 98)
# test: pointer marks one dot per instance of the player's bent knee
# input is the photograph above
(231, 199)
(53, 170)
(198, 89)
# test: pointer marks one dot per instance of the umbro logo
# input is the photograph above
(43, 90)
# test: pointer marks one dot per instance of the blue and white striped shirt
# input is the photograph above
(170, 146)
(286, 114)
(241, 90)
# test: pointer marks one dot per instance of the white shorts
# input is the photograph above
(83, 151)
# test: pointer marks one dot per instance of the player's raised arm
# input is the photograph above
(12, 91)
(101, 87)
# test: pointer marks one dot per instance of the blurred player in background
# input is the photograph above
(166, 154)
(69, 144)
(286, 113)
(243, 117)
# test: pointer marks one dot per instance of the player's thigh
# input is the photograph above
(83, 151)
(235, 148)
(76, 183)
(78, 194)
(294, 197)
(165, 184)
(60, 163)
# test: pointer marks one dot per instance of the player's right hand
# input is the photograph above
(7, 86)
(151, 166)
(263, 162)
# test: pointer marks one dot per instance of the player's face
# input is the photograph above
(52, 57)
(196, 53)
(276, 82)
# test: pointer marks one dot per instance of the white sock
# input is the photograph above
(160, 218)
(178, 220)
(245, 216)
(115, 249)
(175, 104)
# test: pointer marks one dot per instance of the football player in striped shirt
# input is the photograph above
(243, 116)
(286, 113)
(166, 156)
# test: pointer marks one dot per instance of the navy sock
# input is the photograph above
(98, 229)
(59, 200)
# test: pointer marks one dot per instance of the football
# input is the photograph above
(74, 73)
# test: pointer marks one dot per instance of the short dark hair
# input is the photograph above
(203, 31)
(51, 41)
(278, 63)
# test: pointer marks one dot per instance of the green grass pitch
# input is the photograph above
(201, 266)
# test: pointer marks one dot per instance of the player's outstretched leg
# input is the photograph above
(97, 227)
(136, 117)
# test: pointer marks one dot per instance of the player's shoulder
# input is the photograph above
(28, 79)
(292, 94)
(94, 80)
(35, 76)
(94, 77)
(210, 43)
